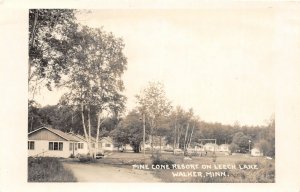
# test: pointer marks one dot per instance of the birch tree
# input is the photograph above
(153, 102)
(97, 64)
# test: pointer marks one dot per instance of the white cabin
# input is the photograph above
(50, 142)
(256, 152)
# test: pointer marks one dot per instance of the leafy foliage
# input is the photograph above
(130, 131)
(242, 141)
(49, 44)
(152, 102)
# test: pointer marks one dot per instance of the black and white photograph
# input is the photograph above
(155, 95)
(151, 96)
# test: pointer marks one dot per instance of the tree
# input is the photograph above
(182, 124)
(241, 140)
(152, 102)
(49, 45)
(266, 143)
(96, 64)
(130, 131)
(233, 147)
(35, 119)
(264, 146)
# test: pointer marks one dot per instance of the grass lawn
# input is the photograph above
(48, 169)
(264, 171)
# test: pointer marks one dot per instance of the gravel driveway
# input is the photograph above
(96, 172)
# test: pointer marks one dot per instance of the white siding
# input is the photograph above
(41, 148)
(256, 152)
(107, 146)
(84, 150)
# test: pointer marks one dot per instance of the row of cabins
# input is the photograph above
(157, 141)
(212, 147)
(51, 142)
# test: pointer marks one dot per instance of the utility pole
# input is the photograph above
(144, 133)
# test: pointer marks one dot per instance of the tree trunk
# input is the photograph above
(190, 139)
(72, 122)
(185, 137)
(151, 139)
(136, 148)
(178, 136)
(84, 128)
(89, 128)
(98, 130)
(174, 143)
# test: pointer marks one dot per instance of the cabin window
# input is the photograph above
(80, 145)
(50, 145)
(73, 146)
(31, 145)
(93, 145)
(55, 146)
(107, 145)
(99, 145)
(60, 146)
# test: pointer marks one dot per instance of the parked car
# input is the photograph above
(100, 154)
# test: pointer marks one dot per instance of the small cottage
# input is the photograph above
(256, 152)
(210, 147)
(106, 144)
(82, 146)
(223, 148)
(51, 142)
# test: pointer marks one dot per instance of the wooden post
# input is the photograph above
(144, 134)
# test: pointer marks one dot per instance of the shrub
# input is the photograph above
(157, 160)
(233, 147)
(48, 169)
(85, 159)
(72, 156)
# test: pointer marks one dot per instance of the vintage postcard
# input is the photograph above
(157, 95)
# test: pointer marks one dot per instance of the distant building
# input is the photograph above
(158, 143)
(106, 144)
(223, 148)
(82, 146)
(199, 147)
(256, 152)
(210, 147)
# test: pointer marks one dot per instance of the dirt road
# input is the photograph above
(106, 173)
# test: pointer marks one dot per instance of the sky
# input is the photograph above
(217, 61)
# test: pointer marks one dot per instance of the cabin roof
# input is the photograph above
(57, 132)
(107, 139)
